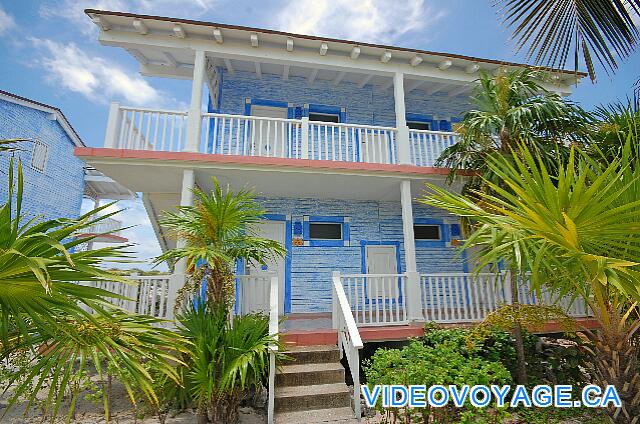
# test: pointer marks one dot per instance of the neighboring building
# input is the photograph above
(55, 180)
(337, 136)
(53, 176)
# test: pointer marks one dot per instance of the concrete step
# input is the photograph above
(335, 415)
(313, 354)
(307, 374)
(317, 396)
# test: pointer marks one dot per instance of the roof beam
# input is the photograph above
(459, 90)
(217, 35)
(101, 22)
(285, 72)
(365, 80)
(415, 60)
(254, 39)
(164, 71)
(338, 78)
(355, 52)
(445, 64)
(289, 44)
(140, 27)
(413, 85)
(386, 56)
(472, 69)
(139, 56)
(258, 70)
(312, 76)
(171, 61)
(227, 63)
(439, 87)
(309, 59)
(178, 31)
(324, 47)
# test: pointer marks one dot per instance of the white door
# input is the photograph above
(269, 138)
(381, 260)
(257, 297)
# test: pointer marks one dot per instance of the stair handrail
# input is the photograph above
(273, 348)
(349, 339)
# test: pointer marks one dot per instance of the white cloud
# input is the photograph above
(6, 21)
(375, 21)
(73, 10)
(93, 77)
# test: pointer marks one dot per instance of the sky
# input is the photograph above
(50, 53)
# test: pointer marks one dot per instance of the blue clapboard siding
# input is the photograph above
(369, 221)
(55, 192)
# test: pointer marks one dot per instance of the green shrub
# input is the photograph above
(418, 364)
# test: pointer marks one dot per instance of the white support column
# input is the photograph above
(194, 121)
(404, 155)
(177, 279)
(113, 126)
(304, 138)
(413, 296)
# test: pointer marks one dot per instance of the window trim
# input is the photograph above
(414, 121)
(308, 241)
(445, 235)
(326, 110)
(438, 226)
(339, 224)
(39, 144)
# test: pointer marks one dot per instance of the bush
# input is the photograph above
(430, 365)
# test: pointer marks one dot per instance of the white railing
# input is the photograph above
(352, 143)
(349, 340)
(149, 129)
(251, 136)
(106, 225)
(427, 146)
(273, 349)
(466, 297)
(376, 299)
(253, 294)
(147, 294)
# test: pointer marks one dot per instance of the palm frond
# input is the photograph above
(554, 32)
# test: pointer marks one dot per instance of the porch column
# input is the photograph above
(194, 119)
(413, 296)
(402, 141)
(177, 279)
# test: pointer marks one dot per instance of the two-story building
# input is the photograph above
(337, 137)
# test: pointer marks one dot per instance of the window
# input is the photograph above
(427, 232)
(415, 125)
(39, 156)
(324, 117)
(325, 231)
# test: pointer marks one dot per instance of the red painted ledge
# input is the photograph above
(87, 152)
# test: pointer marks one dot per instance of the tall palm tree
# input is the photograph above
(512, 109)
(218, 230)
(555, 31)
(578, 232)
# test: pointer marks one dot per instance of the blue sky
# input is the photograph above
(50, 52)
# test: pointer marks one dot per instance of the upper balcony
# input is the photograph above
(266, 137)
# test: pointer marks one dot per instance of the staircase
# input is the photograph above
(311, 388)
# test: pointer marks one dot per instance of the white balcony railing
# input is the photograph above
(240, 135)
(107, 225)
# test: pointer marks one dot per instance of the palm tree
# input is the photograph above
(218, 230)
(222, 360)
(66, 328)
(513, 109)
(578, 232)
(553, 31)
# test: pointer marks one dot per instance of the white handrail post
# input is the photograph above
(304, 136)
(113, 126)
(194, 119)
(334, 300)
(273, 331)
